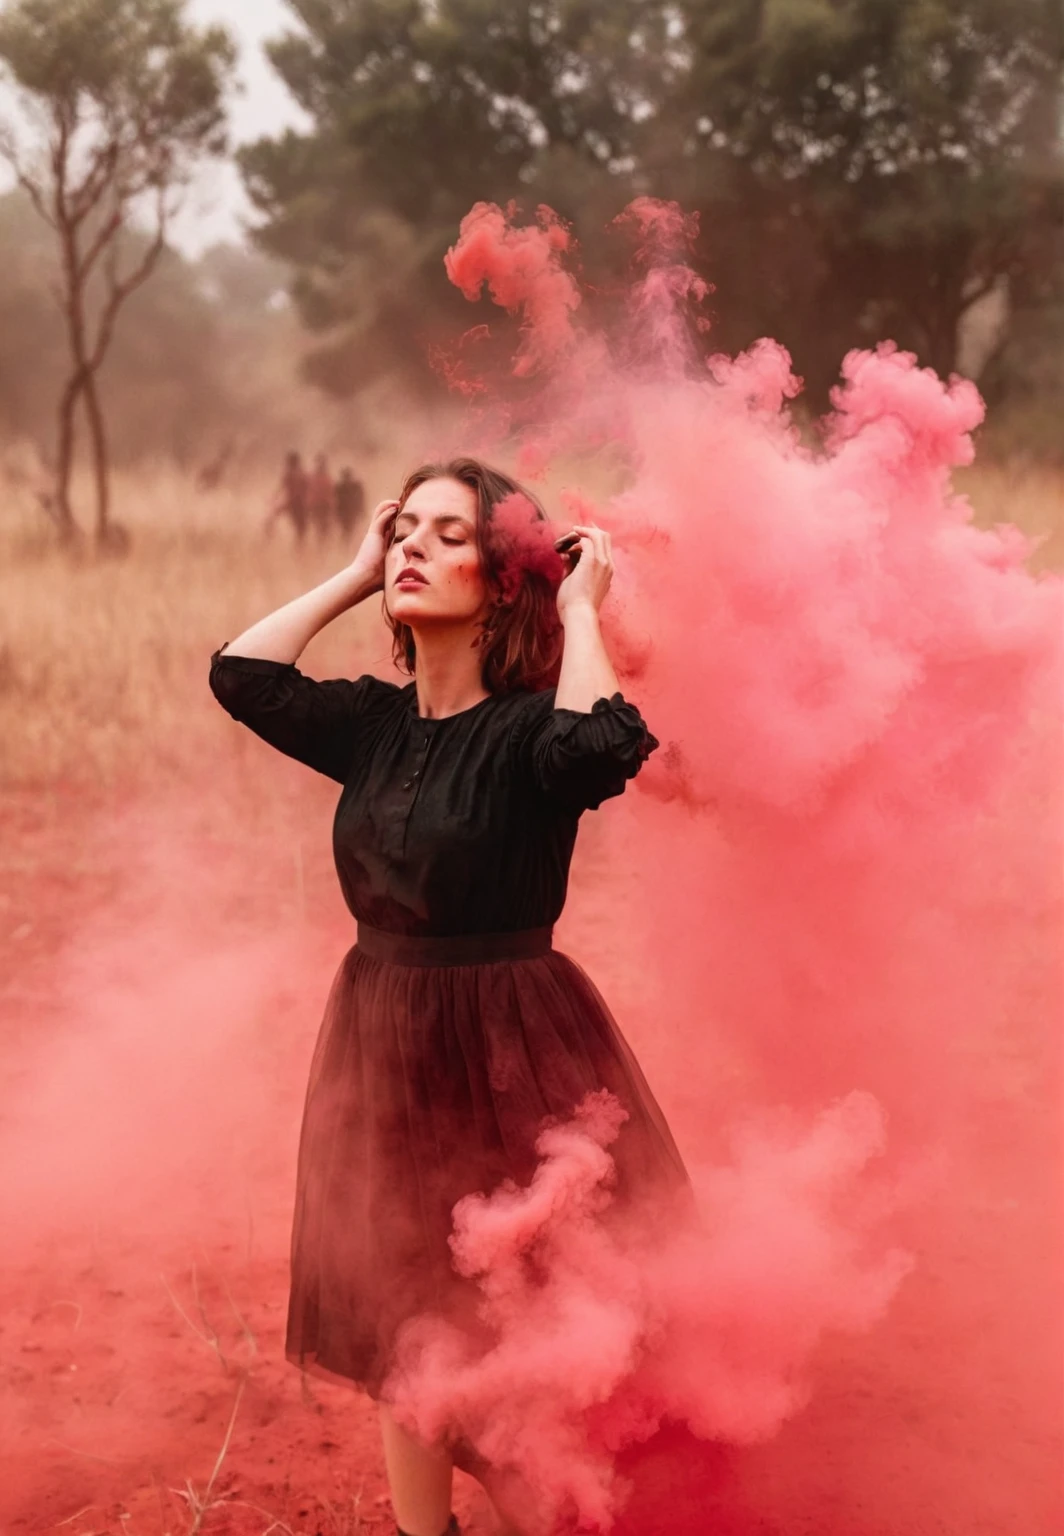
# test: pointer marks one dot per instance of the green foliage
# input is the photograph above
(135, 66)
(420, 110)
(862, 167)
(912, 145)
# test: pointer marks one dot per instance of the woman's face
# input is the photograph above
(435, 537)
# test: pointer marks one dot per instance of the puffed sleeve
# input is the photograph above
(581, 759)
(313, 722)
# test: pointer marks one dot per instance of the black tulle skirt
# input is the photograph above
(437, 1064)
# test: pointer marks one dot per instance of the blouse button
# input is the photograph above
(408, 783)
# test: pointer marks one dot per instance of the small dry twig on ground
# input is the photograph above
(276, 1523)
(327, 1519)
(344, 1521)
(102, 1530)
(245, 1327)
(208, 1333)
(75, 1516)
(200, 1504)
(348, 1523)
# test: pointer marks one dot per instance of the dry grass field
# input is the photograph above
(102, 662)
(145, 1389)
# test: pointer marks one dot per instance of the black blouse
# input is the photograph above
(464, 824)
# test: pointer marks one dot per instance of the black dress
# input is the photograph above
(453, 1030)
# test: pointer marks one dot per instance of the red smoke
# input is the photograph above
(522, 543)
(856, 692)
(521, 269)
(602, 1335)
(826, 914)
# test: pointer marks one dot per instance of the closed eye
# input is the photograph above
(402, 532)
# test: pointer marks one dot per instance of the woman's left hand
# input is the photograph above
(589, 577)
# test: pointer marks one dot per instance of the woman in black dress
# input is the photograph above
(453, 1029)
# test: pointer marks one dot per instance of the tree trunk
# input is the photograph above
(941, 305)
(68, 404)
(74, 312)
(100, 466)
(943, 334)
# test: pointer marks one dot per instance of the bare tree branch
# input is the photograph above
(93, 185)
(9, 151)
(104, 237)
(120, 288)
(60, 155)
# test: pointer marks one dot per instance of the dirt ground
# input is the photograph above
(144, 1384)
(169, 924)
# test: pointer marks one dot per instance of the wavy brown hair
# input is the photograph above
(521, 637)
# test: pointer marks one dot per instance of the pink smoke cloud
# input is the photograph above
(856, 689)
(601, 1334)
(827, 915)
(521, 270)
(522, 543)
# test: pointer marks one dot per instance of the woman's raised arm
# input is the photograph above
(255, 678)
(284, 634)
(586, 673)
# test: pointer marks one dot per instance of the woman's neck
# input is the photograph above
(448, 673)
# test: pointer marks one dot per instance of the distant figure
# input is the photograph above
(320, 497)
(291, 501)
(350, 504)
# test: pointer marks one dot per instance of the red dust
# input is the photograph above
(827, 916)
(522, 544)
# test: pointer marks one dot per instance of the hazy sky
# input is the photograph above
(217, 205)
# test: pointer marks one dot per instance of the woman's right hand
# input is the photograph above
(369, 561)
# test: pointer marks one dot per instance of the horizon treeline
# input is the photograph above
(862, 170)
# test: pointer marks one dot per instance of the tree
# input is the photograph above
(909, 149)
(119, 99)
(419, 109)
(203, 357)
(862, 168)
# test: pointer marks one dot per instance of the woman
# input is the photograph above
(453, 1029)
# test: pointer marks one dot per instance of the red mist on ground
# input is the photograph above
(826, 915)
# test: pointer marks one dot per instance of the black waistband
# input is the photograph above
(453, 949)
